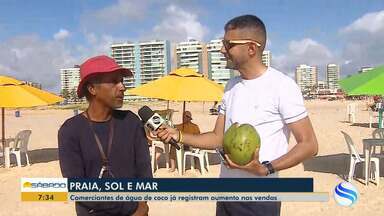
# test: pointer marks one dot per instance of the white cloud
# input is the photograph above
(29, 58)
(364, 44)
(121, 11)
(305, 51)
(178, 25)
(98, 44)
(4, 68)
(370, 22)
(61, 34)
(361, 41)
(219, 35)
(268, 44)
(308, 46)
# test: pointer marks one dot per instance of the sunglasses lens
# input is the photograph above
(226, 44)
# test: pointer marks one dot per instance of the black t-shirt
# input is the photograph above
(129, 157)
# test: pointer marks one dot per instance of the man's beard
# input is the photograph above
(230, 64)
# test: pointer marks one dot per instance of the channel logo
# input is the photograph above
(43, 184)
(27, 185)
(345, 194)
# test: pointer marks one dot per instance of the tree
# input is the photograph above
(65, 94)
(313, 89)
(73, 95)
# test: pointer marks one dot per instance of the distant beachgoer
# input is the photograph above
(187, 127)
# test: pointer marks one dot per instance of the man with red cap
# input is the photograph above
(102, 141)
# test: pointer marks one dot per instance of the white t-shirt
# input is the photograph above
(268, 102)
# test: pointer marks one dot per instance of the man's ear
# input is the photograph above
(252, 49)
(91, 89)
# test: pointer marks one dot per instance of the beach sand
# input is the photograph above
(327, 168)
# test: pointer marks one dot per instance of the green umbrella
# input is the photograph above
(367, 83)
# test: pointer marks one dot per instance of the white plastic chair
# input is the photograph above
(378, 134)
(355, 158)
(154, 162)
(378, 106)
(351, 111)
(20, 141)
(372, 118)
(202, 155)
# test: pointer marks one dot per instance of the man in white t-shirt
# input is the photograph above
(260, 96)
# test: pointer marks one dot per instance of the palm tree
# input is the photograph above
(73, 95)
(65, 94)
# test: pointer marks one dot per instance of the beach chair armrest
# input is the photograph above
(8, 141)
(12, 149)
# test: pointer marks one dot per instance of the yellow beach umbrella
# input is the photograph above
(183, 84)
(16, 94)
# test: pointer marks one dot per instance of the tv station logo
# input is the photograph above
(44, 189)
(345, 194)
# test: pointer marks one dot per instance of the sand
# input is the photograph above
(327, 168)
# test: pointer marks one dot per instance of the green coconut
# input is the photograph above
(240, 142)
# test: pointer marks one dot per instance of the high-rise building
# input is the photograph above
(127, 55)
(266, 58)
(333, 76)
(321, 85)
(70, 78)
(148, 61)
(306, 76)
(365, 69)
(205, 60)
(190, 54)
(155, 60)
(217, 62)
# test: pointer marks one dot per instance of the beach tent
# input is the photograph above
(367, 83)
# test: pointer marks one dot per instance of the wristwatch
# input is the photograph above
(269, 167)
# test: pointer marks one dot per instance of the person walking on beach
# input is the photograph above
(263, 97)
(102, 141)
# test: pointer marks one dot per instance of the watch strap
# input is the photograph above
(269, 167)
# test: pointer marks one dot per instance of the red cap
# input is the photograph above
(98, 65)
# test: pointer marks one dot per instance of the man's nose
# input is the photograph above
(121, 86)
(223, 50)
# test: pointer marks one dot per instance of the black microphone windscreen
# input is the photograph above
(145, 113)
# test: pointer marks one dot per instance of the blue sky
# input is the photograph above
(47, 35)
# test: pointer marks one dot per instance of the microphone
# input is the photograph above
(153, 121)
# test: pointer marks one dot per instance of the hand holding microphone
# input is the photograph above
(156, 124)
